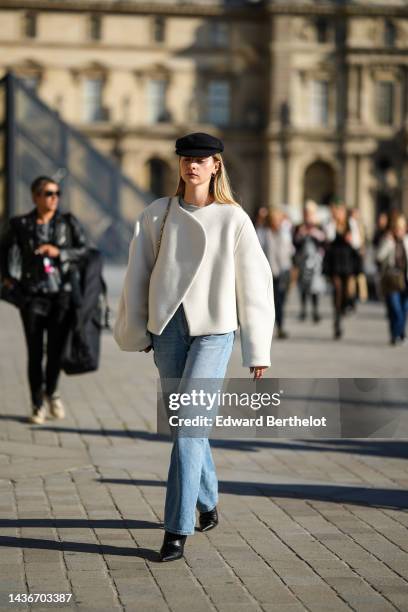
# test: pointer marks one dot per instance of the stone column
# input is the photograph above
(296, 183)
(353, 95)
(365, 199)
(404, 188)
(366, 110)
(350, 187)
(275, 168)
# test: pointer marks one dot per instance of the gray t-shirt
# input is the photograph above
(43, 232)
(188, 206)
(51, 282)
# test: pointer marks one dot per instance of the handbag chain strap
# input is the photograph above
(161, 230)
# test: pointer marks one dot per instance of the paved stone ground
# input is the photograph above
(305, 525)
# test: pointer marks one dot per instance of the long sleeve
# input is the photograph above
(384, 251)
(255, 303)
(79, 243)
(6, 241)
(130, 329)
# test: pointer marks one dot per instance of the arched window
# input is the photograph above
(319, 183)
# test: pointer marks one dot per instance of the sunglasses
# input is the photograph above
(49, 194)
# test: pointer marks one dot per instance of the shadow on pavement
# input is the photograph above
(302, 339)
(377, 447)
(13, 417)
(82, 547)
(79, 523)
(395, 499)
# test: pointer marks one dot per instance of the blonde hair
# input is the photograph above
(220, 186)
(311, 206)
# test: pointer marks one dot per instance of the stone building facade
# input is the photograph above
(311, 97)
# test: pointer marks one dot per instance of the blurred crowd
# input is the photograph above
(331, 255)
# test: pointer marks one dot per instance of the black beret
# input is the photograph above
(198, 145)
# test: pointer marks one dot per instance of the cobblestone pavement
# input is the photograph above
(304, 525)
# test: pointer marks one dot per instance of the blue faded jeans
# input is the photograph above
(397, 309)
(192, 481)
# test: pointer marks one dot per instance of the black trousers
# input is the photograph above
(48, 316)
(304, 297)
(341, 286)
(280, 291)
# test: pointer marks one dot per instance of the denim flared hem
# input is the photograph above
(207, 509)
(178, 531)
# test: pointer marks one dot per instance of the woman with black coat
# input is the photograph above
(48, 242)
(341, 263)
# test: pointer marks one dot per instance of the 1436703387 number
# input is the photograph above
(40, 597)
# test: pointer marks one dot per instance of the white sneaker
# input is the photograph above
(38, 415)
(56, 406)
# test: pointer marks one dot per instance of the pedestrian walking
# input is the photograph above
(359, 287)
(392, 256)
(196, 271)
(341, 262)
(381, 228)
(309, 240)
(261, 225)
(279, 252)
(47, 243)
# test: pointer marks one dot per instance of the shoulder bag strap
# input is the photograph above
(161, 230)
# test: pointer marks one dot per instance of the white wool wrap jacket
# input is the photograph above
(216, 269)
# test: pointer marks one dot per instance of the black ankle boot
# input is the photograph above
(173, 546)
(338, 332)
(208, 520)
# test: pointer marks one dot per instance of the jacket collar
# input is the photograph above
(31, 223)
(32, 215)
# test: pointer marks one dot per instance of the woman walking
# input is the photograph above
(309, 240)
(261, 225)
(392, 256)
(279, 251)
(196, 271)
(49, 244)
(341, 262)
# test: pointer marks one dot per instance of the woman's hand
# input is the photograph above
(48, 249)
(258, 371)
(8, 282)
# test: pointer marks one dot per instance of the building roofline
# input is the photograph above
(252, 9)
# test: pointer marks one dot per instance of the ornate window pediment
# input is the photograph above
(385, 72)
(30, 72)
(91, 70)
(154, 71)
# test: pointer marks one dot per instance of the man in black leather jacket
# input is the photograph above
(49, 244)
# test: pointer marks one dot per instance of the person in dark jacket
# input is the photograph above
(48, 243)
(341, 262)
(381, 228)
